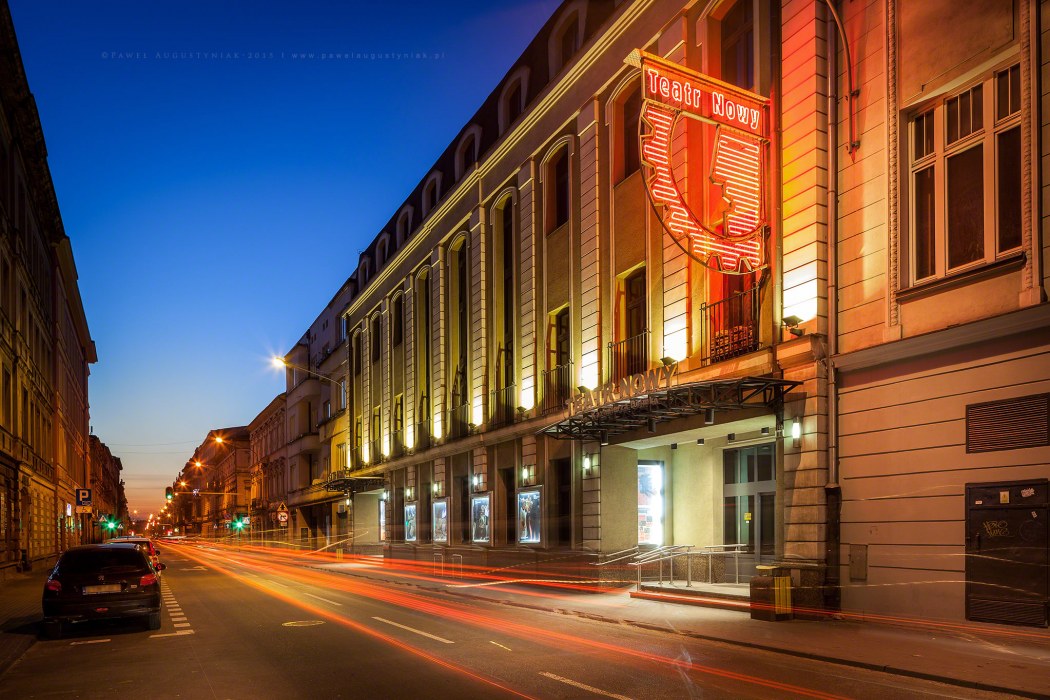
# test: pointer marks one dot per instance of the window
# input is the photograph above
(561, 338)
(397, 322)
(634, 304)
(342, 394)
(382, 252)
(738, 38)
(509, 294)
(376, 338)
(403, 223)
(357, 355)
(514, 103)
(430, 193)
(632, 110)
(965, 178)
(327, 410)
(343, 324)
(557, 197)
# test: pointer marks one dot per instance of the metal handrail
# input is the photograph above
(617, 556)
(659, 555)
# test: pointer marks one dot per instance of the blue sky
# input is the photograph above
(217, 186)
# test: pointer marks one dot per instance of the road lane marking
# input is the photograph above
(171, 634)
(90, 641)
(324, 599)
(412, 629)
(583, 686)
(302, 623)
(500, 645)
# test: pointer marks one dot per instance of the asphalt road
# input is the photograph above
(244, 625)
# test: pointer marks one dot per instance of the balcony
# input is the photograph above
(730, 326)
(501, 406)
(557, 388)
(629, 357)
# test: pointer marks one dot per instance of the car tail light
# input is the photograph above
(53, 585)
(148, 580)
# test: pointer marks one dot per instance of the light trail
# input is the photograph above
(464, 614)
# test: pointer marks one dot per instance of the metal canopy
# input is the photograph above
(669, 404)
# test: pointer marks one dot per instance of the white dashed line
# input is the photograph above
(324, 599)
(583, 686)
(412, 629)
(90, 641)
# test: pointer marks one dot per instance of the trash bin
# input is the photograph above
(771, 594)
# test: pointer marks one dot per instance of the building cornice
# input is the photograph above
(1035, 318)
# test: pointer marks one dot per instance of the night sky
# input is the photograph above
(219, 168)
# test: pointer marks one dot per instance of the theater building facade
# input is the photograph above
(673, 287)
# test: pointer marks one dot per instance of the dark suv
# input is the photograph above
(101, 581)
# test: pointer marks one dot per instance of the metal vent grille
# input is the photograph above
(1010, 612)
(1009, 424)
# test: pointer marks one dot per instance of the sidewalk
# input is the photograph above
(998, 658)
(19, 614)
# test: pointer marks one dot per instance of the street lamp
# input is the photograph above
(280, 362)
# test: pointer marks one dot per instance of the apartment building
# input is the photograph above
(45, 344)
(268, 473)
(214, 488)
(316, 418)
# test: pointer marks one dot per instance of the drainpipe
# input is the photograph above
(832, 590)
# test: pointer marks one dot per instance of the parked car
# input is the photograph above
(101, 581)
(145, 544)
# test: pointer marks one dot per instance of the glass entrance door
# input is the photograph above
(749, 503)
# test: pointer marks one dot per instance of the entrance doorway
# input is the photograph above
(749, 504)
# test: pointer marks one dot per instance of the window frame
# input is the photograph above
(940, 153)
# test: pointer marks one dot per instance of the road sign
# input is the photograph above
(83, 497)
(83, 509)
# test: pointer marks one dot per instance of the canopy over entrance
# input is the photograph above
(662, 405)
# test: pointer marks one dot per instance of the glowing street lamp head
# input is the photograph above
(278, 361)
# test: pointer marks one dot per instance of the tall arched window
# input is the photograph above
(631, 113)
(557, 190)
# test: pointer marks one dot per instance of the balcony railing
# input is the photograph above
(457, 420)
(422, 437)
(397, 444)
(730, 326)
(630, 356)
(557, 387)
(501, 406)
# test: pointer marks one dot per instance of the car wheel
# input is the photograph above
(51, 629)
(153, 621)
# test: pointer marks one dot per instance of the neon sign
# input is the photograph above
(732, 241)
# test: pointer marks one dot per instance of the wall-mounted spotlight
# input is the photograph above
(699, 441)
(604, 437)
(791, 323)
(674, 445)
(651, 423)
(582, 389)
(765, 430)
(476, 480)
(587, 463)
(796, 432)
(667, 361)
(731, 437)
(709, 416)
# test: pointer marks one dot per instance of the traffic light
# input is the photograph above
(108, 523)
(169, 493)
